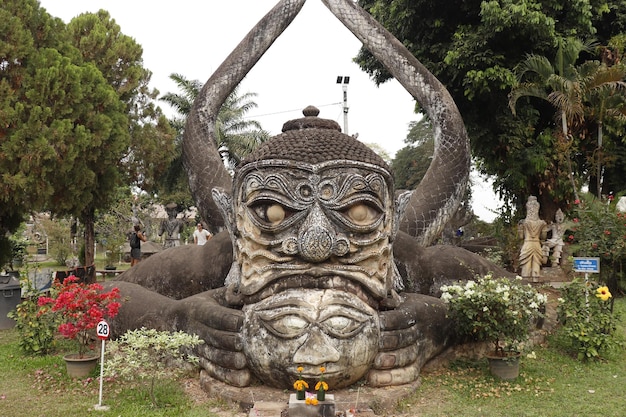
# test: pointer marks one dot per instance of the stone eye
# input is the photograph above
(272, 213)
(341, 326)
(362, 214)
(287, 326)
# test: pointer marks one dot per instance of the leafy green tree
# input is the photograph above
(605, 97)
(18, 190)
(79, 119)
(473, 47)
(560, 85)
(119, 58)
(64, 129)
(583, 95)
(412, 161)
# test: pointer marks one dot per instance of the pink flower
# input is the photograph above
(576, 201)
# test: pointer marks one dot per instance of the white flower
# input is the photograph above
(485, 308)
(446, 297)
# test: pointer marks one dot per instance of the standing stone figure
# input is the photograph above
(555, 243)
(172, 226)
(533, 230)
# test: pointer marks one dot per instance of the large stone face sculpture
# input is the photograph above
(312, 215)
(312, 221)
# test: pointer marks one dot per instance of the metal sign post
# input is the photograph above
(102, 331)
(587, 265)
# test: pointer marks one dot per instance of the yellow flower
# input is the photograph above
(314, 401)
(321, 385)
(300, 369)
(307, 401)
(322, 369)
(300, 385)
(603, 293)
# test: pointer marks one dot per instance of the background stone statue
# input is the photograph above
(555, 243)
(321, 263)
(171, 227)
(533, 230)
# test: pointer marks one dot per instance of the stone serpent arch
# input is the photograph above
(434, 200)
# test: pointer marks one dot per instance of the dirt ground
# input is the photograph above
(237, 402)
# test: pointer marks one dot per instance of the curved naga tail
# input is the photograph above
(436, 198)
(200, 157)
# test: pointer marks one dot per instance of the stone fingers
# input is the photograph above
(397, 376)
(237, 378)
(397, 358)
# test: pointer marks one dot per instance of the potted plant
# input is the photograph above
(79, 307)
(499, 311)
(18, 250)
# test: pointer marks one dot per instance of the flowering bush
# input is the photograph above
(599, 230)
(36, 329)
(588, 326)
(79, 307)
(496, 310)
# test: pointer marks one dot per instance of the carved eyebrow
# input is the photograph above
(281, 309)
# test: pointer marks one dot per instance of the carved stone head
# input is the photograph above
(313, 220)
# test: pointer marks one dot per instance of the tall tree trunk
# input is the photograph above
(599, 174)
(88, 219)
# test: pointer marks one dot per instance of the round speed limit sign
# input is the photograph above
(102, 330)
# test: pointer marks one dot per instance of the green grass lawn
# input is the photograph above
(550, 384)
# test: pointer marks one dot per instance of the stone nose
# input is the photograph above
(317, 239)
(316, 350)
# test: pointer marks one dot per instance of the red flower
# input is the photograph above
(571, 237)
(80, 307)
(576, 201)
(575, 220)
(607, 232)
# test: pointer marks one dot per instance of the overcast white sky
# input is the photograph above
(193, 37)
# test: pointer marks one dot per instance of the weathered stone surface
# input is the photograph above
(308, 276)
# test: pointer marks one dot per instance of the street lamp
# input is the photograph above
(344, 81)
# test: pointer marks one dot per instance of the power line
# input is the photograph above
(287, 111)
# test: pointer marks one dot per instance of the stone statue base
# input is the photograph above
(384, 398)
(299, 408)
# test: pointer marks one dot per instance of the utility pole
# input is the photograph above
(344, 81)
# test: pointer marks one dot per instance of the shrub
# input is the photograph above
(588, 324)
(35, 327)
(496, 310)
(148, 354)
(599, 230)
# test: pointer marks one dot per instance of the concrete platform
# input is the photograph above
(363, 398)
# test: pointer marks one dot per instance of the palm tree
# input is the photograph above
(605, 98)
(559, 84)
(240, 135)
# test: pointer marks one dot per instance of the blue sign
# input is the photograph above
(591, 265)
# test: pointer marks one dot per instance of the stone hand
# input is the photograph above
(411, 334)
(207, 315)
